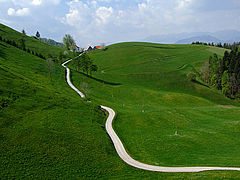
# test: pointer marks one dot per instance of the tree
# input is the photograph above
(225, 85)
(22, 44)
(69, 42)
(38, 35)
(86, 63)
(50, 67)
(103, 46)
(23, 31)
(224, 73)
(93, 68)
(60, 56)
(78, 62)
(191, 76)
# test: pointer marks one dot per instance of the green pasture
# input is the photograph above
(48, 132)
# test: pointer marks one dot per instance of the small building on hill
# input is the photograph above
(78, 49)
(97, 47)
(88, 48)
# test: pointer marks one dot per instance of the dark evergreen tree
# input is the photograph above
(23, 31)
(22, 44)
(38, 35)
(224, 73)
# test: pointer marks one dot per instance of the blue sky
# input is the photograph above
(97, 21)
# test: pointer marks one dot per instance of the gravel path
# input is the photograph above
(121, 150)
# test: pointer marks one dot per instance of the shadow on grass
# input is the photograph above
(99, 80)
(200, 83)
(159, 47)
(2, 54)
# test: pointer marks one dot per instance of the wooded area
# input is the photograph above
(224, 73)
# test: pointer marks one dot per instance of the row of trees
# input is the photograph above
(37, 34)
(224, 45)
(21, 45)
(85, 64)
(224, 73)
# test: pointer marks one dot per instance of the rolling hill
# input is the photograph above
(47, 131)
(155, 96)
(32, 44)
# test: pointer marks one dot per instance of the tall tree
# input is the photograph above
(50, 67)
(69, 42)
(93, 68)
(225, 73)
(22, 44)
(60, 56)
(38, 35)
(84, 63)
(23, 31)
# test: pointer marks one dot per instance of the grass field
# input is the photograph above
(31, 43)
(48, 132)
(155, 96)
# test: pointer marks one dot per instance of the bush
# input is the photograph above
(191, 76)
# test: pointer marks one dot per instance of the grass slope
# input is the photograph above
(153, 78)
(31, 43)
(47, 131)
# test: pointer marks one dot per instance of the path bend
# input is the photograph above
(123, 153)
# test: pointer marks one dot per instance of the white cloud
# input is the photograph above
(56, 2)
(36, 2)
(115, 20)
(28, 3)
(11, 11)
(183, 3)
(104, 14)
(18, 12)
(79, 14)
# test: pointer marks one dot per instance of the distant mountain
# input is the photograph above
(228, 36)
(52, 42)
(206, 38)
(169, 38)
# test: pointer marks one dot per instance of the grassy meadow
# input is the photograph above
(48, 132)
(155, 98)
(31, 43)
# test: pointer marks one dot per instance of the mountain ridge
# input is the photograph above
(225, 36)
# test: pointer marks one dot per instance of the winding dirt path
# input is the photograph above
(121, 150)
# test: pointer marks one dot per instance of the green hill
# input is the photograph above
(155, 96)
(32, 43)
(48, 131)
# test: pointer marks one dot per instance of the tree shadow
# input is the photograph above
(200, 83)
(2, 54)
(99, 80)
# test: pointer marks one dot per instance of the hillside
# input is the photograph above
(31, 43)
(47, 131)
(155, 96)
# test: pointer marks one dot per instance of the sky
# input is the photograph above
(108, 21)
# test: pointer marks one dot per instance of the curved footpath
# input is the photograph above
(121, 150)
